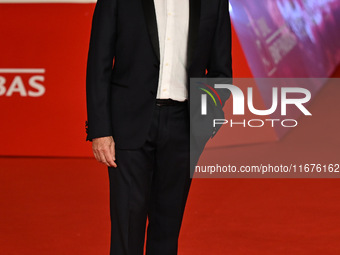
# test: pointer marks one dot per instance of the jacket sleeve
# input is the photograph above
(99, 68)
(220, 64)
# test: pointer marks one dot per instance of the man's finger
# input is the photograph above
(103, 158)
(113, 151)
(96, 155)
(109, 159)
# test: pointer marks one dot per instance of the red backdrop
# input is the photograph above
(48, 119)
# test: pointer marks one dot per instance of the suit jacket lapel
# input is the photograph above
(194, 22)
(151, 22)
(194, 19)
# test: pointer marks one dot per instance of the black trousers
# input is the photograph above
(152, 182)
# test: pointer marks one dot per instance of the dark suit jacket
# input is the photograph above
(121, 98)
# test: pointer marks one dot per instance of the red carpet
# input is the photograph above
(60, 206)
(57, 206)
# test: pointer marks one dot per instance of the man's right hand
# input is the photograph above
(104, 150)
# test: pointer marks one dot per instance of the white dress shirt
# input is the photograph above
(173, 28)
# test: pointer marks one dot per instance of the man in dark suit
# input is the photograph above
(138, 112)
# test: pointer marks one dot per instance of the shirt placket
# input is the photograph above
(168, 50)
